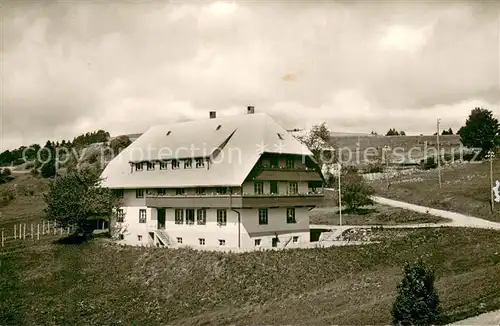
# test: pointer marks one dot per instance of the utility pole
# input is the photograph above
(439, 153)
(491, 156)
(386, 148)
(340, 195)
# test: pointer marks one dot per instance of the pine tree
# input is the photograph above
(417, 302)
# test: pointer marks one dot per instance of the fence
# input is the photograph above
(33, 232)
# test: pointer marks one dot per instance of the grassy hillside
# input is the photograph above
(466, 189)
(105, 284)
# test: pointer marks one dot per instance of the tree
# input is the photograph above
(318, 141)
(119, 143)
(77, 198)
(402, 133)
(417, 302)
(447, 132)
(392, 132)
(355, 191)
(481, 130)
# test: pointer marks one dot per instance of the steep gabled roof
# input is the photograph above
(240, 141)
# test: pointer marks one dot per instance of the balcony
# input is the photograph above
(244, 200)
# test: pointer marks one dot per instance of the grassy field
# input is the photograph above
(98, 283)
(375, 215)
(465, 189)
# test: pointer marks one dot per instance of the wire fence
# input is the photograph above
(24, 231)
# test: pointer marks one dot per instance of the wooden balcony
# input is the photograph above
(234, 201)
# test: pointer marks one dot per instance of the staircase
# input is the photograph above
(163, 237)
(333, 235)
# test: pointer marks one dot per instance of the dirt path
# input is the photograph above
(489, 318)
(457, 219)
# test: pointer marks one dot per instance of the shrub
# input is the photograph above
(354, 189)
(417, 302)
(375, 168)
(428, 163)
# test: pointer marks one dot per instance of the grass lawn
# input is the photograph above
(466, 189)
(374, 215)
(98, 283)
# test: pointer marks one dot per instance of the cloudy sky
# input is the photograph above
(69, 68)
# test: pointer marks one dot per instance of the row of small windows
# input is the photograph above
(274, 162)
(139, 193)
(258, 187)
(175, 164)
(222, 242)
(200, 215)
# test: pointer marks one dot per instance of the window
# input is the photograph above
(274, 162)
(168, 133)
(179, 216)
(119, 193)
(139, 193)
(201, 241)
(258, 188)
(139, 238)
(150, 166)
(200, 191)
(221, 217)
(290, 215)
(295, 239)
(163, 165)
(294, 188)
(274, 187)
(263, 216)
(138, 166)
(189, 216)
(142, 216)
(121, 237)
(179, 240)
(290, 163)
(221, 190)
(218, 127)
(179, 191)
(188, 164)
(119, 215)
(175, 164)
(222, 242)
(161, 191)
(200, 163)
(201, 216)
(257, 242)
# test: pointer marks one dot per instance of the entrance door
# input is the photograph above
(274, 187)
(161, 218)
(275, 241)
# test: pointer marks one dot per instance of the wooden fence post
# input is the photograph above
(60, 230)
(32, 235)
(43, 227)
(38, 231)
(15, 235)
(2, 239)
(24, 237)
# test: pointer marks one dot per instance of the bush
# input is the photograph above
(375, 168)
(428, 163)
(417, 302)
(354, 189)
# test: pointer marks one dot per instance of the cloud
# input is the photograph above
(70, 68)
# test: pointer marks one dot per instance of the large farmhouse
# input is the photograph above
(236, 182)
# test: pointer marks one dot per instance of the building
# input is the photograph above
(235, 182)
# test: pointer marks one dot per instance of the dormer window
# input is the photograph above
(218, 127)
(175, 164)
(168, 133)
(188, 164)
(200, 163)
(280, 136)
(138, 166)
(150, 166)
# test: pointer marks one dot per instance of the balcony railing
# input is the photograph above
(245, 200)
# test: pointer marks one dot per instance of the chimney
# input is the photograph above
(250, 110)
(212, 115)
